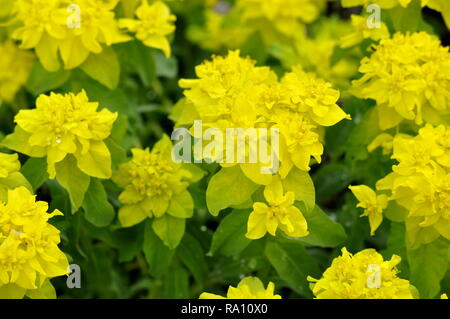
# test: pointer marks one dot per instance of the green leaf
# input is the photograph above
(40, 80)
(35, 171)
(228, 187)
(192, 255)
(323, 231)
(407, 19)
(254, 47)
(103, 67)
(181, 205)
(396, 245)
(97, 209)
(46, 291)
(427, 266)
(293, 264)
(229, 238)
(157, 254)
(73, 180)
(301, 184)
(395, 212)
(141, 59)
(169, 229)
(176, 284)
(165, 67)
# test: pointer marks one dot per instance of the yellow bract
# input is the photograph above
(154, 23)
(362, 31)
(409, 77)
(231, 92)
(372, 204)
(62, 125)
(15, 66)
(153, 185)
(248, 288)
(74, 29)
(29, 252)
(10, 176)
(385, 4)
(364, 275)
(281, 213)
(421, 183)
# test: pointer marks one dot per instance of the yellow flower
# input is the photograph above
(362, 31)
(409, 77)
(372, 204)
(29, 253)
(384, 140)
(384, 4)
(15, 66)
(153, 185)
(154, 23)
(248, 288)
(75, 29)
(364, 275)
(420, 183)
(444, 296)
(10, 176)
(281, 213)
(232, 92)
(63, 125)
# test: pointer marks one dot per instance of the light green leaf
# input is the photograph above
(323, 231)
(169, 229)
(142, 60)
(181, 205)
(97, 209)
(229, 238)
(395, 212)
(192, 255)
(46, 291)
(228, 187)
(73, 180)
(158, 255)
(301, 184)
(103, 67)
(35, 171)
(293, 264)
(428, 265)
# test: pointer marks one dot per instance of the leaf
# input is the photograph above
(46, 291)
(428, 265)
(98, 211)
(407, 19)
(142, 60)
(157, 254)
(301, 184)
(395, 212)
(293, 264)
(192, 255)
(181, 205)
(35, 171)
(40, 80)
(228, 187)
(103, 67)
(73, 180)
(229, 238)
(176, 284)
(396, 245)
(254, 47)
(323, 231)
(169, 229)
(165, 67)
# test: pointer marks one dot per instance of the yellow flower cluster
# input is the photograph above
(154, 23)
(12, 58)
(10, 176)
(420, 183)
(231, 92)
(282, 16)
(280, 214)
(74, 29)
(29, 253)
(409, 77)
(364, 275)
(153, 185)
(362, 31)
(62, 126)
(248, 288)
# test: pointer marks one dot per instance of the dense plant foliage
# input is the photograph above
(120, 151)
